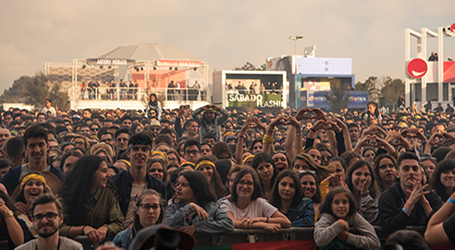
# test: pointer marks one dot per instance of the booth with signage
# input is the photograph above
(258, 89)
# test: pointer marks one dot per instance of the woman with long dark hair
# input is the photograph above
(338, 216)
(90, 205)
(149, 211)
(266, 170)
(206, 165)
(197, 210)
(310, 189)
(247, 208)
(443, 179)
(155, 105)
(287, 196)
(362, 183)
(385, 170)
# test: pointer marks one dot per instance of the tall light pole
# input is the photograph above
(295, 38)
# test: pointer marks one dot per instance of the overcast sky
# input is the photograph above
(226, 34)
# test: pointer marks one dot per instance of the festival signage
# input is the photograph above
(259, 101)
(110, 61)
(357, 99)
(175, 63)
(417, 68)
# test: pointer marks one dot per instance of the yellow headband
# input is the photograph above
(247, 158)
(206, 162)
(125, 161)
(33, 176)
(187, 163)
(229, 133)
(160, 153)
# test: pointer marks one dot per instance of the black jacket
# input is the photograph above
(124, 183)
(392, 216)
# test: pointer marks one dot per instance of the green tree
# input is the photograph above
(250, 67)
(35, 90)
(372, 86)
(392, 89)
(338, 98)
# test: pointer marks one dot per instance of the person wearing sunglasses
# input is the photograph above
(47, 217)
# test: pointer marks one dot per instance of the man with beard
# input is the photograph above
(132, 182)
(210, 118)
(36, 145)
(47, 216)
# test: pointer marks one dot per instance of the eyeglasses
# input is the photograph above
(122, 139)
(94, 129)
(248, 184)
(205, 150)
(49, 216)
(155, 129)
(148, 206)
(194, 152)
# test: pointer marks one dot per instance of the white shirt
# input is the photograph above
(257, 208)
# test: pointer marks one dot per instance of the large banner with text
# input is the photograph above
(256, 100)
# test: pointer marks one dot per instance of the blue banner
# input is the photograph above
(358, 99)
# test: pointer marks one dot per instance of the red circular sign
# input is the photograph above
(452, 27)
(417, 67)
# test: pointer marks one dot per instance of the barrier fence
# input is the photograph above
(239, 236)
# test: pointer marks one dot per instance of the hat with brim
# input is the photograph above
(52, 182)
(186, 242)
(103, 145)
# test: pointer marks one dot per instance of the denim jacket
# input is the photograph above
(301, 215)
(176, 216)
(124, 238)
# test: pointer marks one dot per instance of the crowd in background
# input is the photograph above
(209, 170)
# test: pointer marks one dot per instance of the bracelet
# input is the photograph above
(83, 229)
(451, 201)
(406, 211)
(267, 220)
(267, 139)
(313, 130)
(365, 194)
(299, 134)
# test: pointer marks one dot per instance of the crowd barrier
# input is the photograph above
(244, 236)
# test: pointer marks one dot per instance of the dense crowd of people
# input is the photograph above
(107, 174)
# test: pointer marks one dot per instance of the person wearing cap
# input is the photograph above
(155, 127)
(132, 182)
(35, 141)
(210, 118)
(4, 135)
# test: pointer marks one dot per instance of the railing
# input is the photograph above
(245, 236)
(134, 94)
